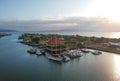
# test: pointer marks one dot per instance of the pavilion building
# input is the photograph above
(54, 46)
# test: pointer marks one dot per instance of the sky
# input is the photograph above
(41, 8)
(43, 15)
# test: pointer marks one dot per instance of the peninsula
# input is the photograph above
(73, 41)
(59, 46)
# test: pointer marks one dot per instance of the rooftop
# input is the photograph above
(55, 41)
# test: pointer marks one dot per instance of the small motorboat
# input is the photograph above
(85, 50)
(79, 54)
(59, 58)
(42, 51)
(96, 52)
(66, 58)
(31, 51)
(38, 52)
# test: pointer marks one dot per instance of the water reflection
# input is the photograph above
(117, 66)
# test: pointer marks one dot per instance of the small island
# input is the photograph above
(59, 47)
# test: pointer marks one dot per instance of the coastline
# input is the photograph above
(111, 50)
(3, 35)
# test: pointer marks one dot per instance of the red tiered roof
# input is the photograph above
(55, 41)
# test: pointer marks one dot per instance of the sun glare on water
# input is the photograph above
(116, 35)
(117, 66)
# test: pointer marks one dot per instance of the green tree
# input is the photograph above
(35, 39)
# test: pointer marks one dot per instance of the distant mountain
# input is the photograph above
(63, 30)
(7, 30)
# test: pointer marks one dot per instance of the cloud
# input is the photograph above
(79, 24)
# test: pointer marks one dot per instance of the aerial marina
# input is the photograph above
(66, 47)
(59, 40)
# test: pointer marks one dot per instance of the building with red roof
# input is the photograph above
(54, 41)
(54, 46)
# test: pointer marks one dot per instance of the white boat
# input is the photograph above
(66, 58)
(85, 50)
(42, 51)
(74, 53)
(38, 52)
(79, 54)
(54, 58)
(96, 52)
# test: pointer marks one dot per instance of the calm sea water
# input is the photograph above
(17, 65)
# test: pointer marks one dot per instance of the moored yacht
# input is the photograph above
(85, 50)
(96, 52)
(74, 53)
(51, 57)
(38, 52)
(66, 58)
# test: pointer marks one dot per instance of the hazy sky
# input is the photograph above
(42, 8)
(58, 14)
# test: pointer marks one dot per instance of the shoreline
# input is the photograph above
(110, 50)
(3, 35)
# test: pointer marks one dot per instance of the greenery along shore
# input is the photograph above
(74, 41)
(2, 35)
